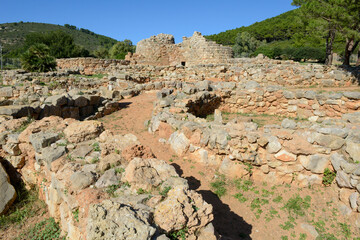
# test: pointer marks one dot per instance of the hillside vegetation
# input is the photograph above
(12, 36)
(278, 28)
(283, 35)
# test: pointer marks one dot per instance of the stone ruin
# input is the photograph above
(161, 50)
(76, 162)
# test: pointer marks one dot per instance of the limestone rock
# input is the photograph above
(353, 200)
(7, 191)
(82, 131)
(183, 207)
(12, 148)
(232, 169)
(41, 140)
(104, 222)
(352, 117)
(274, 145)
(343, 180)
(288, 124)
(179, 142)
(50, 154)
(137, 151)
(299, 145)
(109, 161)
(117, 143)
(353, 149)
(107, 179)
(285, 156)
(310, 229)
(147, 173)
(81, 180)
(330, 141)
(316, 163)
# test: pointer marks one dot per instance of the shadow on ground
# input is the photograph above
(355, 71)
(227, 223)
(124, 104)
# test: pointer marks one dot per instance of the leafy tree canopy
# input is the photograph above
(245, 44)
(120, 49)
(38, 59)
(61, 44)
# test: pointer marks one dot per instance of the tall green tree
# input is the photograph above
(327, 11)
(341, 16)
(350, 20)
(120, 49)
(245, 44)
(61, 44)
(38, 59)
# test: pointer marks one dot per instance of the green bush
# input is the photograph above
(120, 49)
(292, 53)
(245, 44)
(38, 59)
(61, 44)
(328, 177)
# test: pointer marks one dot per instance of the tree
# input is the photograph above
(120, 49)
(102, 53)
(245, 45)
(326, 10)
(341, 16)
(350, 26)
(61, 44)
(38, 59)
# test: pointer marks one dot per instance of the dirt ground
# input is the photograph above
(247, 210)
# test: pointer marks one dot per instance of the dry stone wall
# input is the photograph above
(291, 151)
(291, 103)
(88, 66)
(264, 71)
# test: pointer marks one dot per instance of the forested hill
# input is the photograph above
(278, 28)
(12, 35)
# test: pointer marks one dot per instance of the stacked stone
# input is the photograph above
(290, 152)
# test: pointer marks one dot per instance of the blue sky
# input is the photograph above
(139, 19)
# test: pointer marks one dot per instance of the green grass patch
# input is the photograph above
(46, 229)
(26, 205)
(219, 186)
(297, 205)
(328, 177)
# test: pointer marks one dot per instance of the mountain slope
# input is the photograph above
(12, 35)
(278, 28)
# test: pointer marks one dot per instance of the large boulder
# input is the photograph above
(7, 191)
(179, 142)
(113, 220)
(183, 207)
(330, 141)
(41, 140)
(353, 149)
(82, 131)
(315, 163)
(148, 173)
